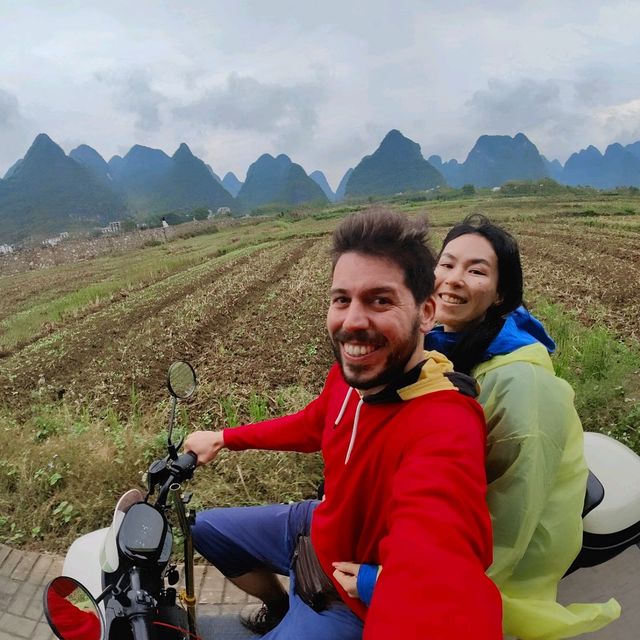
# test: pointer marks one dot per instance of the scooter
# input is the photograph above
(114, 587)
(119, 581)
(611, 514)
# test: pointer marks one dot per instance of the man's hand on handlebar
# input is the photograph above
(204, 444)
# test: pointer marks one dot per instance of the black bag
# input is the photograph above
(311, 582)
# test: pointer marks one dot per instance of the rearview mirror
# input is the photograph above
(181, 380)
(71, 611)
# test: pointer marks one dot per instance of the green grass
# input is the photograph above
(122, 275)
(603, 370)
(63, 467)
(24, 324)
(65, 472)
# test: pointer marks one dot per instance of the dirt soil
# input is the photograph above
(254, 319)
(594, 272)
(220, 315)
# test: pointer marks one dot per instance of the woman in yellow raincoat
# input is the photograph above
(536, 471)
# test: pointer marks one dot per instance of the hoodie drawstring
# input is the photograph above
(344, 406)
(354, 431)
(354, 428)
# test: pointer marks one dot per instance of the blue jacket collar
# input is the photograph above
(519, 330)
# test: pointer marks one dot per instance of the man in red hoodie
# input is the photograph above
(403, 445)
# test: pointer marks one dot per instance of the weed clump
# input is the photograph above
(603, 371)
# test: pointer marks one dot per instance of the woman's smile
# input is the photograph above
(466, 282)
(451, 298)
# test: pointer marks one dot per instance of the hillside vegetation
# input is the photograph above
(84, 347)
(47, 192)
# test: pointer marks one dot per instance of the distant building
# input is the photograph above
(223, 211)
(112, 227)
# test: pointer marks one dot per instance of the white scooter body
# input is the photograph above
(82, 561)
(96, 552)
(611, 521)
(618, 469)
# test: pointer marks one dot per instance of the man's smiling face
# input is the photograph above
(376, 326)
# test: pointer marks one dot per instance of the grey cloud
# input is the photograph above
(16, 131)
(518, 106)
(550, 113)
(134, 94)
(593, 87)
(620, 127)
(244, 103)
(9, 110)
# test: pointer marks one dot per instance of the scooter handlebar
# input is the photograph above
(184, 466)
(173, 471)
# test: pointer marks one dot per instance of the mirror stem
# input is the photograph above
(104, 594)
(172, 450)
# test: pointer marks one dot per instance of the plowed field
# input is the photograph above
(246, 306)
(254, 316)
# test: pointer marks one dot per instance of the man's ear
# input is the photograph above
(427, 314)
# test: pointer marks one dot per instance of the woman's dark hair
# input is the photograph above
(474, 341)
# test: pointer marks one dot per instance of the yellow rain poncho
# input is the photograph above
(537, 474)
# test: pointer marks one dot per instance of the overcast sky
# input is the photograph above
(322, 82)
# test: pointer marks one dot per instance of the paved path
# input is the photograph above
(23, 575)
(620, 579)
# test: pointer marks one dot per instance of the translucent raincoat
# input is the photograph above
(537, 474)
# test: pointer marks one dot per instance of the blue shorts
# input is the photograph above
(237, 540)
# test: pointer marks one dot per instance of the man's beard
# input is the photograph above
(394, 366)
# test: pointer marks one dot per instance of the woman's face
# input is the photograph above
(466, 282)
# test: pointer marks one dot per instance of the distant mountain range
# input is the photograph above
(342, 186)
(396, 166)
(278, 181)
(232, 184)
(321, 180)
(493, 161)
(47, 191)
(618, 166)
(152, 182)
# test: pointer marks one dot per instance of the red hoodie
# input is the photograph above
(404, 488)
(71, 622)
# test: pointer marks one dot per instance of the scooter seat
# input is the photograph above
(594, 495)
(611, 514)
(618, 470)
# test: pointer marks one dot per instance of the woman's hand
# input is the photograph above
(205, 444)
(346, 573)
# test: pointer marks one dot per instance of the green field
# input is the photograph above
(85, 344)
